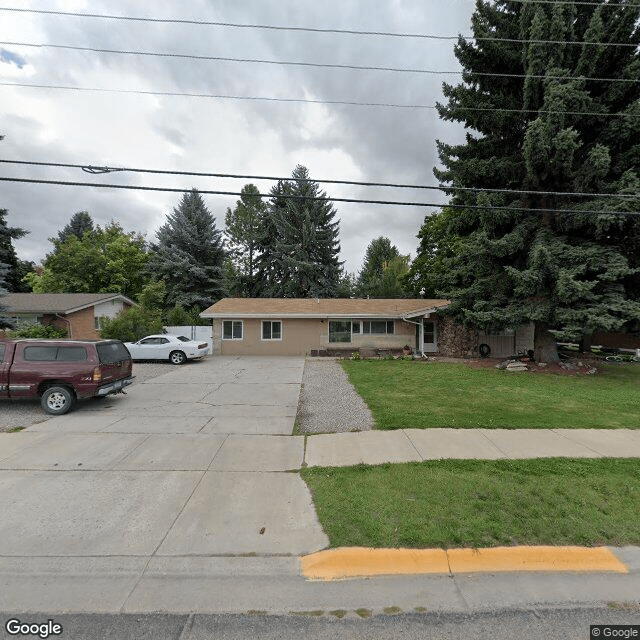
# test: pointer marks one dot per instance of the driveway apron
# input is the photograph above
(197, 462)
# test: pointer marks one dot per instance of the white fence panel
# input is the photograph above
(194, 332)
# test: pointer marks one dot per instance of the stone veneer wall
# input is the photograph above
(455, 340)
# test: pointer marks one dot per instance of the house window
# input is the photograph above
(98, 321)
(232, 330)
(339, 330)
(378, 326)
(355, 326)
(271, 330)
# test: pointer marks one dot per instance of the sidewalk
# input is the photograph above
(416, 445)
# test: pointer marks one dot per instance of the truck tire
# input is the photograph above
(484, 350)
(57, 401)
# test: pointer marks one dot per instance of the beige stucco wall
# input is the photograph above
(300, 336)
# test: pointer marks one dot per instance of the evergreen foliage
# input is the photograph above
(300, 242)
(243, 229)
(565, 271)
(382, 271)
(189, 255)
(79, 223)
(13, 274)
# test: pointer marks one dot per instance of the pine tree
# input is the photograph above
(575, 273)
(189, 255)
(13, 273)
(80, 223)
(243, 228)
(382, 270)
(303, 259)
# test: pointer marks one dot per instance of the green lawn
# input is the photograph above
(471, 503)
(412, 394)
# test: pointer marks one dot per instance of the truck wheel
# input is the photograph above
(177, 357)
(57, 400)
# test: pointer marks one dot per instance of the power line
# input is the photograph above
(325, 199)
(306, 29)
(95, 170)
(186, 56)
(311, 100)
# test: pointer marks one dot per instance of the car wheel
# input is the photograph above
(177, 357)
(57, 400)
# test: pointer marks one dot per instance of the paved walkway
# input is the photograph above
(415, 445)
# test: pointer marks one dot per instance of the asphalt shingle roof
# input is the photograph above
(54, 302)
(319, 307)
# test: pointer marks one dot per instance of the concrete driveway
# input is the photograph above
(187, 471)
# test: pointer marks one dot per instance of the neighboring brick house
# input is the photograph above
(79, 313)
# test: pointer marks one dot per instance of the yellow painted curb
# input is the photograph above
(592, 559)
(358, 562)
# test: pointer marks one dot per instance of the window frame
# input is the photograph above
(271, 338)
(344, 320)
(388, 322)
(233, 322)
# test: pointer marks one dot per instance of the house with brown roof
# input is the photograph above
(312, 326)
(80, 313)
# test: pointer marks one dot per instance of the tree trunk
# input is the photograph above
(544, 344)
(585, 343)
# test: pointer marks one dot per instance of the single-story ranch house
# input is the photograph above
(79, 313)
(311, 326)
(341, 326)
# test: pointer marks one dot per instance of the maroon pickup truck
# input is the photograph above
(61, 371)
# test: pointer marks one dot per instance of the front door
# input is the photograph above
(429, 342)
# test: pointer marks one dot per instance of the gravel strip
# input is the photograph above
(328, 401)
(24, 413)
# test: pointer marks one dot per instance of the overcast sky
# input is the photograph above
(224, 136)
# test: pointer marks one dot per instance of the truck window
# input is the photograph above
(71, 354)
(110, 352)
(40, 354)
(2, 348)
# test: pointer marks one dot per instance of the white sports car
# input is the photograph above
(175, 349)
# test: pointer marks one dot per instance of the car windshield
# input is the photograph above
(183, 339)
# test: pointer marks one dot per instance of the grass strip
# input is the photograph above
(479, 503)
(419, 395)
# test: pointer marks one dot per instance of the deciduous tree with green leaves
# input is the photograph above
(105, 260)
(189, 255)
(546, 111)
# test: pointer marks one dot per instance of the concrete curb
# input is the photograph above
(358, 562)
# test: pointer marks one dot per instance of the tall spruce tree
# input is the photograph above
(380, 276)
(571, 124)
(243, 229)
(80, 222)
(300, 259)
(13, 274)
(189, 255)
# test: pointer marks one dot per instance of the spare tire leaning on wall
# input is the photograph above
(484, 349)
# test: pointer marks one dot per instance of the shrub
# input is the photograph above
(38, 331)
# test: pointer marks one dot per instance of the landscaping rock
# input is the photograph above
(517, 366)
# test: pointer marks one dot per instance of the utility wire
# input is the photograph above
(313, 101)
(96, 170)
(307, 29)
(186, 56)
(325, 199)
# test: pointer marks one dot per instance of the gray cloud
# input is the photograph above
(343, 142)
